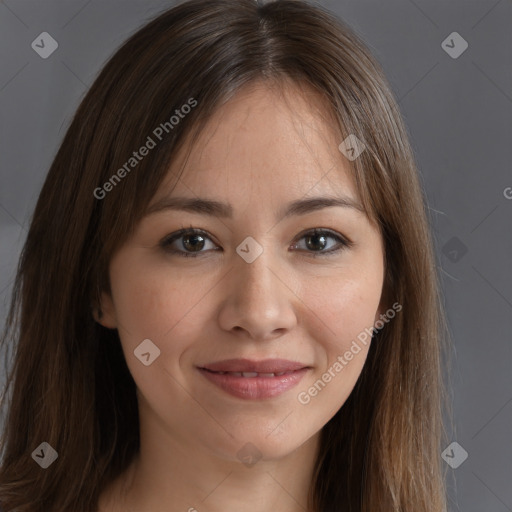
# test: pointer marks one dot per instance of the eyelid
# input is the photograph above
(343, 242)
(176, 235)
(331, 232)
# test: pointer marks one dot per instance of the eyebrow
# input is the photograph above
(211, 207)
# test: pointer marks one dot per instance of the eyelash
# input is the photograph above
(343, 243)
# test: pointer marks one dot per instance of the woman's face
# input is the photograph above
(260, 292)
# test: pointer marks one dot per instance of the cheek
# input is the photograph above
(160, 307)
(346, 310)
(163, 306)
(345, 306)
(150, 299)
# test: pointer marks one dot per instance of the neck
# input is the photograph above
(169, 475)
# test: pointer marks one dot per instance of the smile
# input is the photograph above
(248, 379)
(251, 375)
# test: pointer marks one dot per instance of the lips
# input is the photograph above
(248, 379)
(252, 375)
(266, 366)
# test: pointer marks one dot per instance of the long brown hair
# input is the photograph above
(69, 384)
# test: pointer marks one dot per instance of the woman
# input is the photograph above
(186, 335)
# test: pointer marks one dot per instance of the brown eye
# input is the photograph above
(318, 240)
(192, 242)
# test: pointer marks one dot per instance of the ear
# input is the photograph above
(105, 314)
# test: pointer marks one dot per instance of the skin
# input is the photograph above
(261, 151)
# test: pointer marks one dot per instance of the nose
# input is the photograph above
(259, 303)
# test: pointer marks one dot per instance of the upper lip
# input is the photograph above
(247, 365)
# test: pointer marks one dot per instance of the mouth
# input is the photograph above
(252, 375)
(248, 379)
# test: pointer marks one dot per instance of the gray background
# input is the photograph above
(459, 115)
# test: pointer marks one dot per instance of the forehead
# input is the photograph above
(278, 142)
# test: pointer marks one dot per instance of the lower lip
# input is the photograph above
(254, 388)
